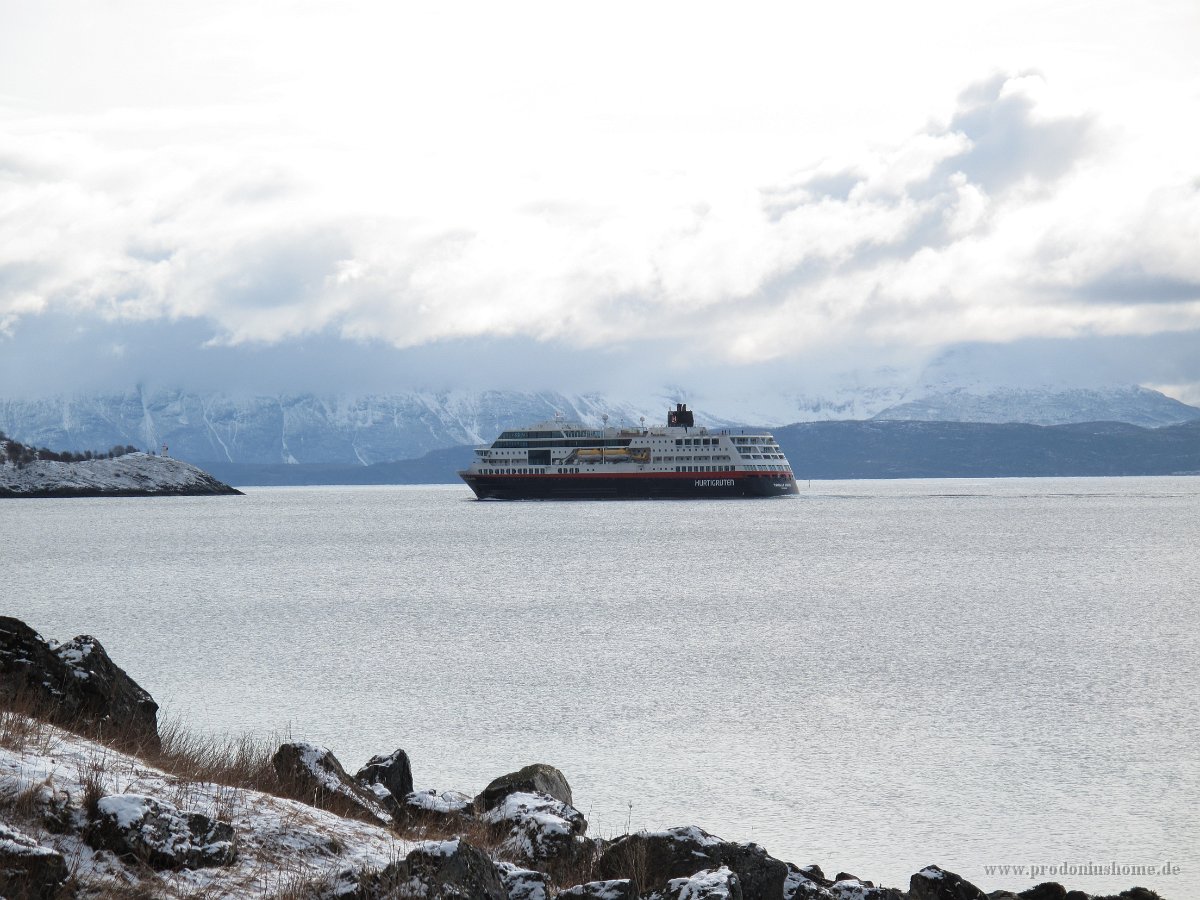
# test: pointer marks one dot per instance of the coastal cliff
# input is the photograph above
(129, 475)
(98, 799)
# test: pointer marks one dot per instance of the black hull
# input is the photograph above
(667, 486)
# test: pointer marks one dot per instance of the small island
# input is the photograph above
(123, 471)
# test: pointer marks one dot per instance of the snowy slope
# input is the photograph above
(280, 843)
(1131, 405)
(132, 474)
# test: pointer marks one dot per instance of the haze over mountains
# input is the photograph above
(310, 428)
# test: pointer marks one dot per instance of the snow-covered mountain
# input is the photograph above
(366, 429)
(1133, 405)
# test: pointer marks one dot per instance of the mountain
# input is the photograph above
(299, 428)
(1133, 405)
(848, 450)
(883, 449)
(343, 430)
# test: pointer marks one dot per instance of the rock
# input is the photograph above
(1047, 890)
(539, 778)
(522, 884)
(856, 889)
(808, 883)
(812, 873)
(439, 870)
(447, 811)
(615, 889)
(313, 775)
(1077, 895)
(157, 833)
(651, 859)
(935, 883)
(75, 685)
(708, 884)
(27, 869)
(393, 772)
(538, 829)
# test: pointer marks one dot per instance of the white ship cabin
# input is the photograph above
(559, 448)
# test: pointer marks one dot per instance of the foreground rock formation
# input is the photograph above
(81, 818)
(75, 684)
(132, 475)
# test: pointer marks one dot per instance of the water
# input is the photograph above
(873, 676)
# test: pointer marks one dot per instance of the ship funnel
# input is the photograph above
(680, 417)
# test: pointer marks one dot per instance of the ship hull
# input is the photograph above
(647, 486)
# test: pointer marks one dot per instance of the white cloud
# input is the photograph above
(753, 187)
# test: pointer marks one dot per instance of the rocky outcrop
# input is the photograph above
(523, 884)
(536, 828)
(313, 775)
(936, 883)
(159, 835)
(439, 870)
(652, 859)
(535, 778)
(75, 685)
(848, 887)
(445, 811)
(614, 889)
(1047, 890)
(28, 871)
(392, 772)
(806, 883)
(131, 475)
(707, 884)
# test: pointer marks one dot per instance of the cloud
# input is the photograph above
(979, 227)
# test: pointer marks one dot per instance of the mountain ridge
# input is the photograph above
(288, 429)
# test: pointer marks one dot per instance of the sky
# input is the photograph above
(266, 195)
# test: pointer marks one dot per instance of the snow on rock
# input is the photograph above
(806, 883)
(313, 774)
(851, 888)
(439, 869)
(613, 889)
(392, 772)
(535, 778)
(157, 833)
(280, 843)
(28, 869)
(936, 883)
(522, 884)
(707, 884)
(656, 857)
(74, 684)
(538, 828)
(435, 811)
(444, 802)
(134, 474)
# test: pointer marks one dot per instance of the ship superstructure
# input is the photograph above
(560, 460)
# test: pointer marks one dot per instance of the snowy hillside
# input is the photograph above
(280, 843)
(1067, 406)
(134, 474)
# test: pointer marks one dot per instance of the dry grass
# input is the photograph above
(237, 762)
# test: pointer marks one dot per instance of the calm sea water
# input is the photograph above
(873, 676)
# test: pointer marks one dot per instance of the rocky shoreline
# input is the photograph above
(131, 475)
(93, 803)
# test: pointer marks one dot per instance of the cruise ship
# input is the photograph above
(556, 460)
